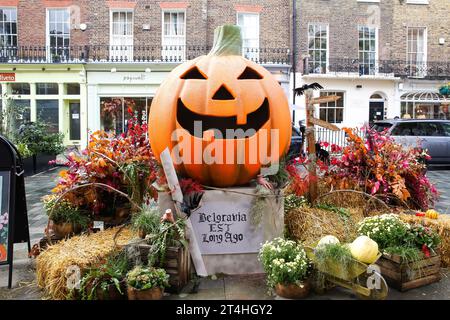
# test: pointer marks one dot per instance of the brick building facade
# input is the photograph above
(379, 56)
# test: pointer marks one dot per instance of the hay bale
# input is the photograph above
(441, 226)
(310, 224)
(83, 251)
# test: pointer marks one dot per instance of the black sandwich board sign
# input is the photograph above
(13, 207)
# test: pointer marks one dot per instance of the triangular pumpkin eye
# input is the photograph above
(249, 73)
(193, 73)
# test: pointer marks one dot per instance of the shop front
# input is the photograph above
(114, 96)
(425, 105)
(54, 94)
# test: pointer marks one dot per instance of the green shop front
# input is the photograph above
(54, 94)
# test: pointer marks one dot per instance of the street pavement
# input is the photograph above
(212, 288)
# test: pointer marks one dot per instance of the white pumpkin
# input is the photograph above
(328, 240)
(364, 249)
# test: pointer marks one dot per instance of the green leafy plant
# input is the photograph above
(170, 234)
(147, 221)
(24, 151)
(102, 279)
(284, 261)
(143, 278)
(423, 236)
(65, 212)
(38, 139)
(259, 205)
(406, 253)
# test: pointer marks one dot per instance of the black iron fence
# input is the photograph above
(137, 53)
(397, 68)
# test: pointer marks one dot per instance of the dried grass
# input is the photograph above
(311, 224)
(441, 226)
(83, 251)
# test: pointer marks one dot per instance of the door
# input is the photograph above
(75, 125)
(376, 111)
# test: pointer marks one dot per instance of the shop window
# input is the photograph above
(47, 88)
(18, 113)
(116, 112)
(73, 88)
(48, 112)
(20, 88)
(332, 112)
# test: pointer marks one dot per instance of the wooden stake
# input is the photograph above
(312, 166)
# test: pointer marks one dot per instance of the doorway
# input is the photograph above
(75, 124)
(376, 108)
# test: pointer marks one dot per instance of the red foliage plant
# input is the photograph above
(124, 162)
(379, 166)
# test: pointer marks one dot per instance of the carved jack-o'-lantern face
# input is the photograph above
(209, 98)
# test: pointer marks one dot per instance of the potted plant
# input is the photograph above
(66, 218)
(287, 268)
(27, 158)
(43, 144)
(146, 222)
(410, 252)
(146, 283)
(106, 282)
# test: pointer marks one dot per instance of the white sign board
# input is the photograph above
(223, 224)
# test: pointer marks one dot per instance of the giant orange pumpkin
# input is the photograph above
(3, 253)
(223, 91)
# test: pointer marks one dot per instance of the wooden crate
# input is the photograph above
(177, 265)
(404, 276)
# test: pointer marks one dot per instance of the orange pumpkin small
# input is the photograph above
(222, 91)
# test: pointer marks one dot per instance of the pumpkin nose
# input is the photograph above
(223, 94)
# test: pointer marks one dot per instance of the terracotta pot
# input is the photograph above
(110, 294)
(293, 291)
(149, 294)
(62, 230)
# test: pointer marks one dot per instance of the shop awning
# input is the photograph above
(424, 96)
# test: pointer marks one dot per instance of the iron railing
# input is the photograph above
(338, 138)
(123, 54)
(397, 68)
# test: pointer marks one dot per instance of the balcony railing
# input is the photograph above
(129, 54)
(397, 68)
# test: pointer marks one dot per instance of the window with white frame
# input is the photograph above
(121, 37)
(417, 51)
(332, 112)
(368, 52)
(317, 48)
(58, 34)
(8, 27)
(249, 23)
(173, 35)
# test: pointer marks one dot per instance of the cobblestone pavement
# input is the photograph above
(214, 288)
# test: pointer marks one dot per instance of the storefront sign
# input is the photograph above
(8, 77)
(223, 224)
(133, 78)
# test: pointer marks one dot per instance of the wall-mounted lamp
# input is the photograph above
(14, 69)
(83, 26)
(113, 70)
(148, 70)
(441, 41)
(43, 69)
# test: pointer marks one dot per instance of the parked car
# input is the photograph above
(432, 135)
(296, 144)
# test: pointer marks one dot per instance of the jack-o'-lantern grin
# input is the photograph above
(255, 121)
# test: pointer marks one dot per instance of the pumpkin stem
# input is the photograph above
(227, 41)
